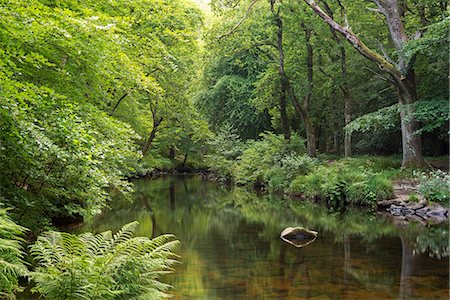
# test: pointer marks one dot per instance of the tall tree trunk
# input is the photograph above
(411, 142)
(309, 127)
(401, 73)
(283, 115)
(347, 134)
(344, 86)
(286, 85)
(310, 138)
(151, 136)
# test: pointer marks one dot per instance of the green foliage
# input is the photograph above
(413, 198)
(11, 255)
(225, 147)
(342, 182)
(435, 185)
(59, 158)
(65, 67)
(433, 114)
(102, 266)
(383, 119)
(281, 174)
(261, 155)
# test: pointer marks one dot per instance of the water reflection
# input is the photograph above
(231, 248)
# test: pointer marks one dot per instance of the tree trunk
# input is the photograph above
(411, 142)
(310, 138)
(172, 152)
(285, 84)
(283, 115)
(185, 159)
(347, 120)
(151, 137)
(309, 127)
(347, 101)
(344, 86)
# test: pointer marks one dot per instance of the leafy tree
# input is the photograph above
(83, 85)
(401, 71)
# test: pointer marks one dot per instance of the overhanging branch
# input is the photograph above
(355, 41)
(240, 21)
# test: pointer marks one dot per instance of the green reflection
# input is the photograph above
(231, 250)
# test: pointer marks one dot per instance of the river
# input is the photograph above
(230, 246)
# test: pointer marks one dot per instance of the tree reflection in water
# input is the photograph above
(230, 247)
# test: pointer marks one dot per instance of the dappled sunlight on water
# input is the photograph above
(230, 246)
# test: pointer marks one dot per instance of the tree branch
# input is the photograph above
(240, 21)
(377, 10)
(343, 14)
(355, 41)
(386, 55)
(378, 75)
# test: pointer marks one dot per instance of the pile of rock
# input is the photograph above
(415, 211)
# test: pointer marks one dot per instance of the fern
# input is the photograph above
(102, 266)
(11, 255)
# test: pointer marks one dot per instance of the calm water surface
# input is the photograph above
(230, 246)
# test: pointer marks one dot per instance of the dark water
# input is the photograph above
(230, 246)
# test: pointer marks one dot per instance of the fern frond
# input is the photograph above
(103, 266)
(125, 233)
(11, 255)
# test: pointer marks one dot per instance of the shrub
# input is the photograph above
(369, 189)
(11, 254)
(226, 147)
(260, 156)
(101, 266)
(340, 182)
(435, 185)
(280, 175)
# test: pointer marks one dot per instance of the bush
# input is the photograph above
(260, 156)
(226, 147)
(435, 185)
(341, 182)
(280, 176)
(102, 266)
(11, 254)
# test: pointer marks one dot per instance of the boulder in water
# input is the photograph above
(298, 236)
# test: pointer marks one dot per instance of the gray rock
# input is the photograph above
(415, 205)
(438, 211)
(422, 212)
(387, 203)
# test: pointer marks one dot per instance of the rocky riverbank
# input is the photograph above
(403, 210)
